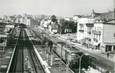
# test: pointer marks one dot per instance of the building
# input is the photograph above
(104, 34)
(8, 28)
(48, 25)
(2, 27)
(108, 37)
(97, 31)
(27, 21)
(84, 29)
(99, 35)
(18, 19)
(23, 19)
(76, 18)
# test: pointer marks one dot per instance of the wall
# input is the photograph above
(108, 35)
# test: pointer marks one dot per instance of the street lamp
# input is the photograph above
(80, 61)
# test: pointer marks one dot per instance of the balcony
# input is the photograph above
(90, 25)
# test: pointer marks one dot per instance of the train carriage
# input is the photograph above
(64, 51)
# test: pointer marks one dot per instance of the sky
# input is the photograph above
(56, 7)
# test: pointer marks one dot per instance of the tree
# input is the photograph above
(53, 18)
(70, 26)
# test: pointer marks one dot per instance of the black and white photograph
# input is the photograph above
(57, 36)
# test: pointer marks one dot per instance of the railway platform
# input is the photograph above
(69, 37)
(101, 59)
(57, 67)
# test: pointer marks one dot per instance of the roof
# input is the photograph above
(83, 16)
(110, 22)
(106, 16)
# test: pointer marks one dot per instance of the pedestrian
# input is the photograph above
(108, 54)
(50, 44)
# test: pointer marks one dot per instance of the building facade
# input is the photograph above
(97, 30)
(84, 28)
(98, 35)
(108, 38)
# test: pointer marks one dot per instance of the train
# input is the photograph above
(69, 55)
(72, 56)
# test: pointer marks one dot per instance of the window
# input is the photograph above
(81, 26)
(89, 32)
(89, 39)
(90, 25)
(114, 35)
(95, 39)
(108, 48)
(81, 30)
(114, 48)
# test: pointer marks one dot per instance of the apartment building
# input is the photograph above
(84, 29)
(97, 34)
(97, 31)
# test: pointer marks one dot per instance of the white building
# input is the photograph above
(84, 28)
(8, 28)
(76, 18)
(100, 35)
(24, 20)
(98, 30)
(27, 21)
(107, 37)
(50, 26)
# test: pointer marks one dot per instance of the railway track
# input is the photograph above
(17, 63)
(25, 48)
(35, 61)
